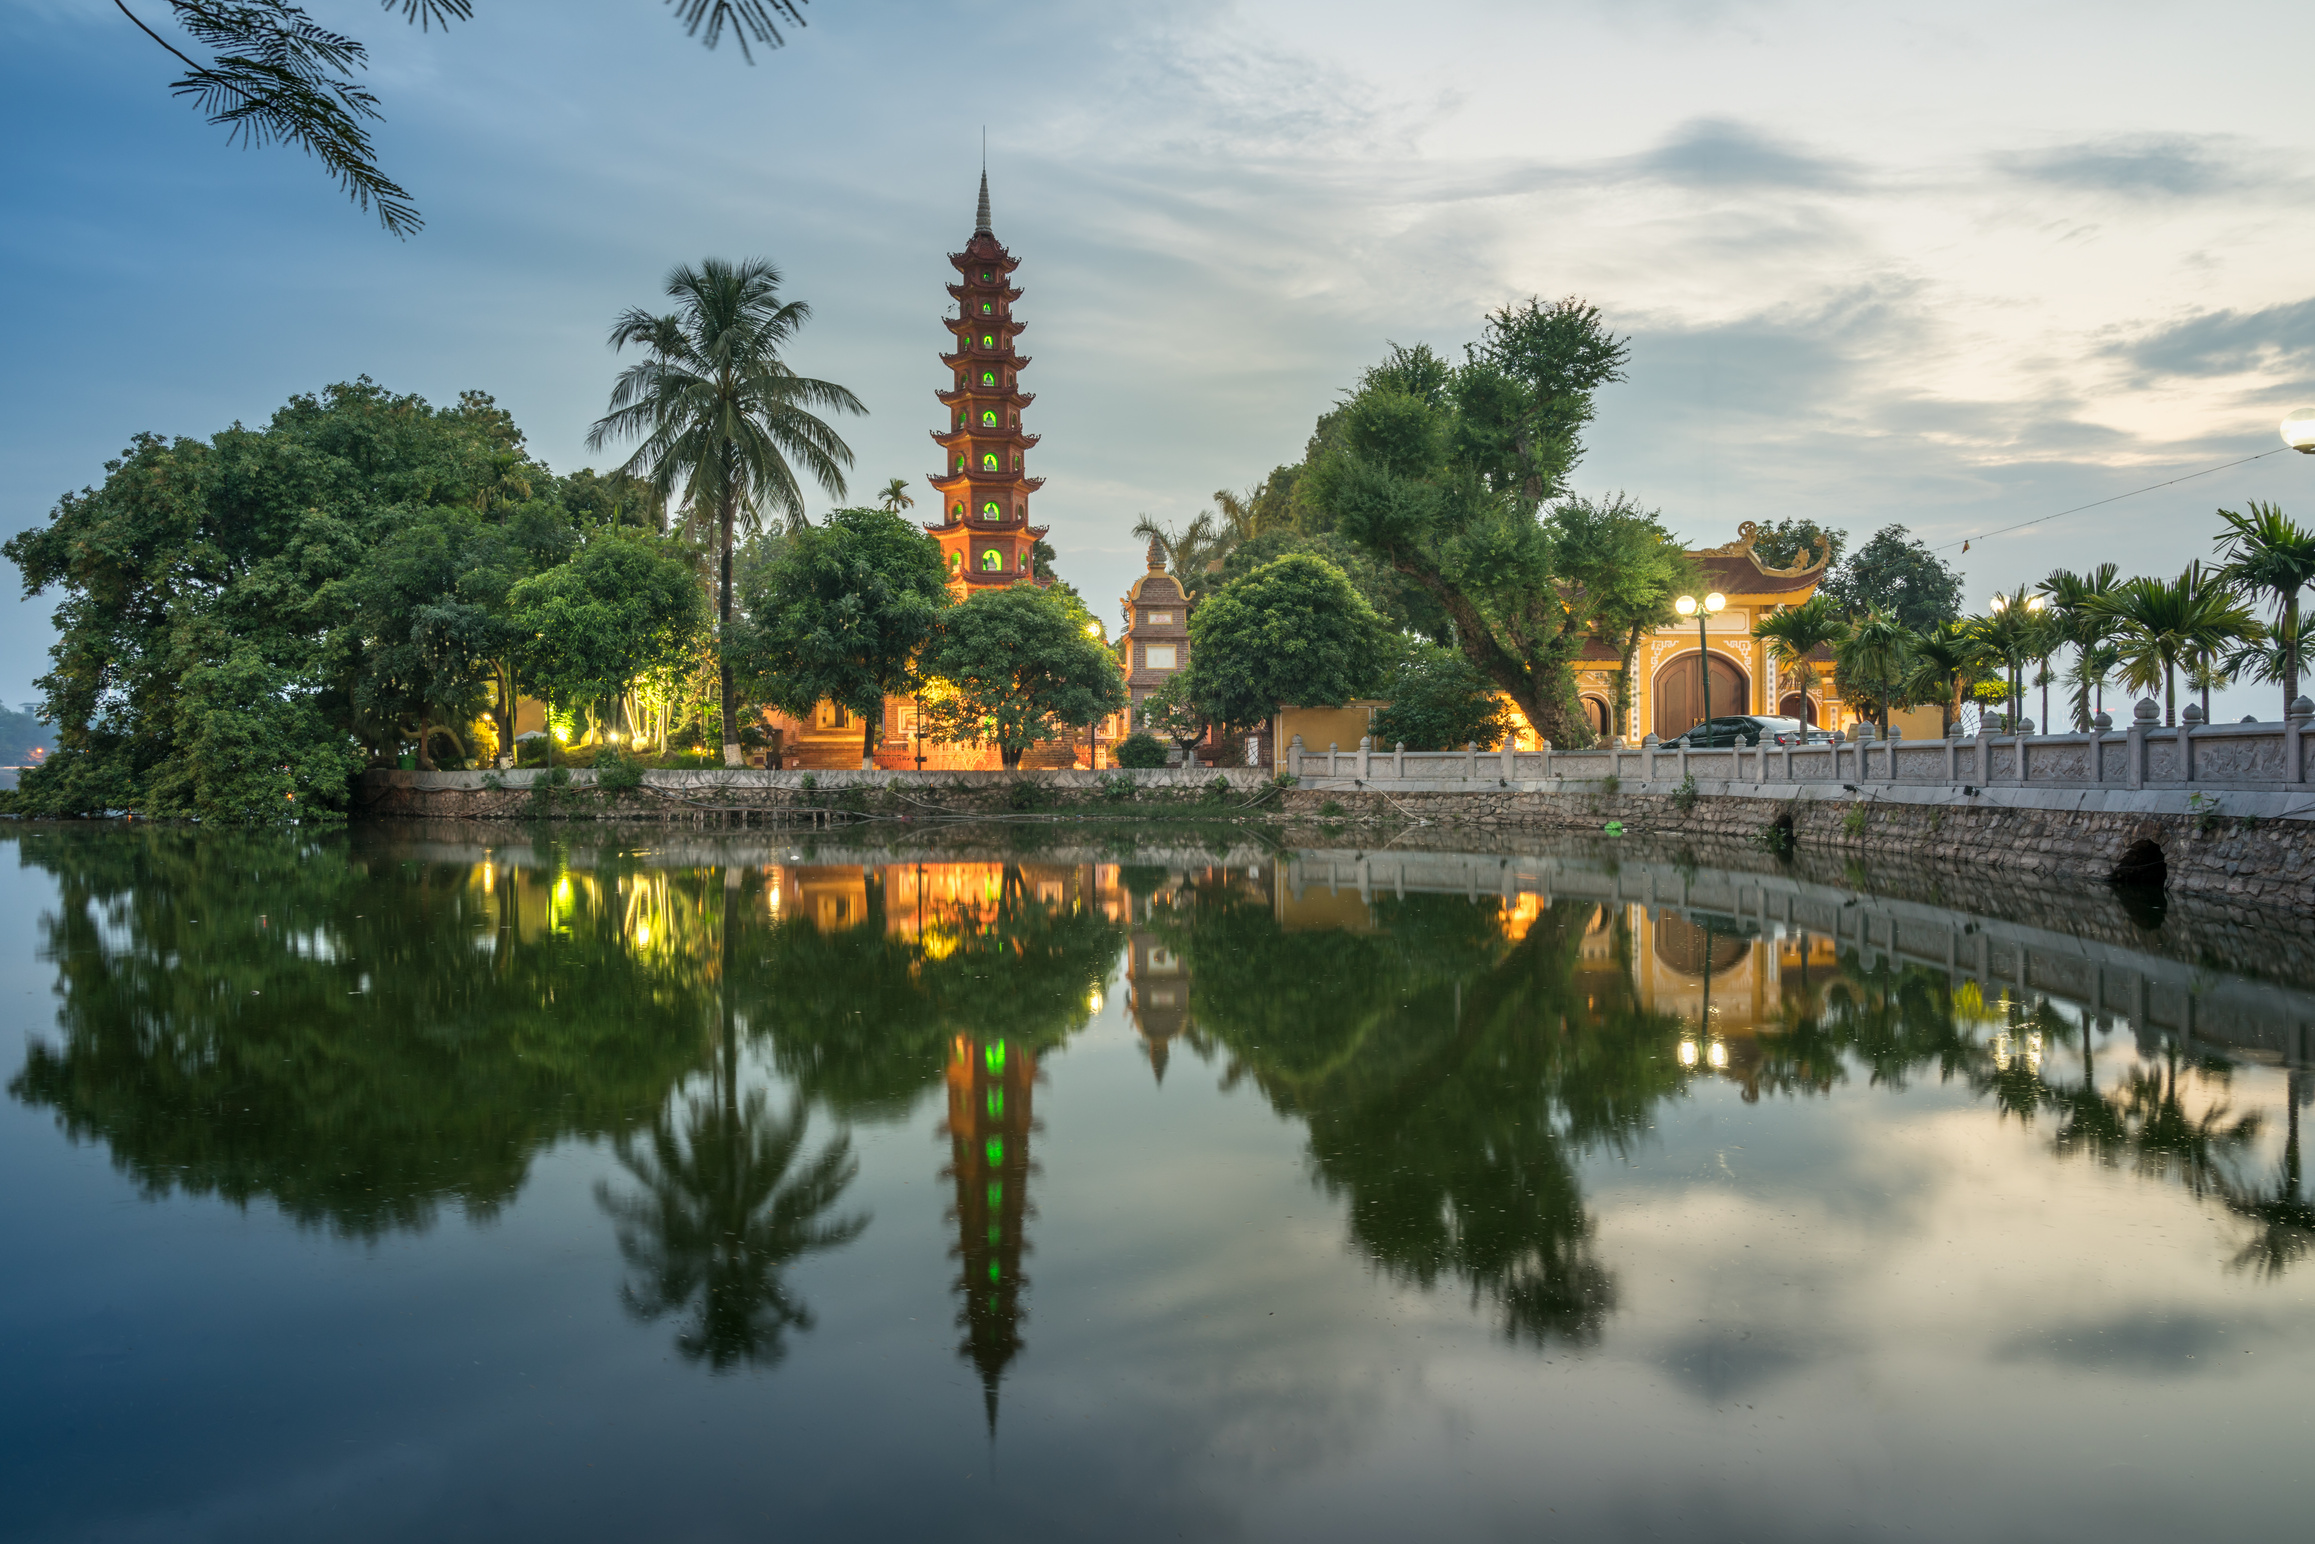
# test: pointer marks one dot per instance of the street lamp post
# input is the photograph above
(1690, 606)
(2299, 430)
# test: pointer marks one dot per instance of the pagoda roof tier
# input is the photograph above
(959, 291)
(945, 437)
(984, 393)
(1003, 324)
(983, 482)
(994, 255)
(1007, 358)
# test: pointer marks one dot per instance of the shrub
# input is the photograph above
(1024, 795)
(1117, 787)
(616, 774)
(1854, 821)
(1611, 783)
(1330, 810)
(1684, 797)
(1141, 749)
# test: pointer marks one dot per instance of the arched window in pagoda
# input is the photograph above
(960, 463)
(1024, 562)
(957, 510)
(986, 308)
(988, 341)
(989, 418)
(984, 276)
(989, 511)
(988, 377)
(992, 561)
(989, 462)
(956, 562)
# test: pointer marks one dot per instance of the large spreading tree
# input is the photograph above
(1293, 632)
(625, 604)
(1446, 470)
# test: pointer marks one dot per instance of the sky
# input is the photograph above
(1957, 268)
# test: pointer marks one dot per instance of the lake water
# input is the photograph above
(415, 1184)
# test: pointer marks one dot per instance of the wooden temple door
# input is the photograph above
(1680, 694)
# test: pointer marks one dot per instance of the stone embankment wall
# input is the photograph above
(2250, 864)
(747, 796)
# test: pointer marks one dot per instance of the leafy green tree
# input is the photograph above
(626, 603)
(1630, 570)
(1141, 749)
(2271, 557)
(1402, 604)
(1796, 633)
(1014, 667)
(1441, 471)
(842, 616)
(1899, 575)
(209, 601)
(1292, 632)
(1439, 702)
(1172, 711)
(275, 76)
(720, 414)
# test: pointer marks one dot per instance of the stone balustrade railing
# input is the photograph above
(2261, 757)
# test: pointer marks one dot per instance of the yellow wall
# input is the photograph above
(1320, 727)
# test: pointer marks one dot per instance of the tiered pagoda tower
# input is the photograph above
(985, 536)
(990, 1086)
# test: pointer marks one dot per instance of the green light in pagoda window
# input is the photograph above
(988, 377)
(956, 562)
(989, 419)
(987, 309)
(996, 1271)
(994, 1057)
(989, 462)
(984, 276)
(996, 1234)
(996, 1104)
(987, 341)
(960, 463)
(989, 510)
(996, 1195)
(994, 1151)
(957, 510)
(992, 562)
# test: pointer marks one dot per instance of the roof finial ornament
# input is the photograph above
(1157, 556)
(981, 224)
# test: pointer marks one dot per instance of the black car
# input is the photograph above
(1742, 729)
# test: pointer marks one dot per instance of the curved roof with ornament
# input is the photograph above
(1736, 570)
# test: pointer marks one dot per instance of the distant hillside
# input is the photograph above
(20, 735)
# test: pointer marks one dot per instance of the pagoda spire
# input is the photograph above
(981, 220)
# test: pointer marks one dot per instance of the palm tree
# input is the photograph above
(895, 497)
(2266, 657)
(2269, 556)
(1947, 661)
(2088, 631)
(2012, 630)
(719, 412)
(1190, 551)
(1795, 634)
(1877, 652)
(2168, 623)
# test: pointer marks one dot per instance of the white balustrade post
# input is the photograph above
(1399, 760)
(1366, 750)
(1333, 750)
(1895, 734)
(2100, 725)
(2189, 722)
(1981, 758)
(1510, 758)
(1471, 761)
(2142, 718)
(1546, 760)
(2294, 735)
(1294, 757)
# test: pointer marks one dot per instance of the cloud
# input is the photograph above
(1721, 153)
(2273, 338)
(2143, 165)
(2145, 1344)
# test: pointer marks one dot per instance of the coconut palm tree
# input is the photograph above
(2268, 556)
(895, 496)
(720, 414)
(1877, 652)
(1795, 634)
(2012, 630)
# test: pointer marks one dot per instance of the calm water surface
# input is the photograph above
(403, 1186)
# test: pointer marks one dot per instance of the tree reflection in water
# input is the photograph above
(725, 1208)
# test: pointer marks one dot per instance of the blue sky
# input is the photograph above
(1956, 268)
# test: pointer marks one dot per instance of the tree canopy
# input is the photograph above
(1016, 666)
(1895, 573)
(841, 615)
(1291, 632)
